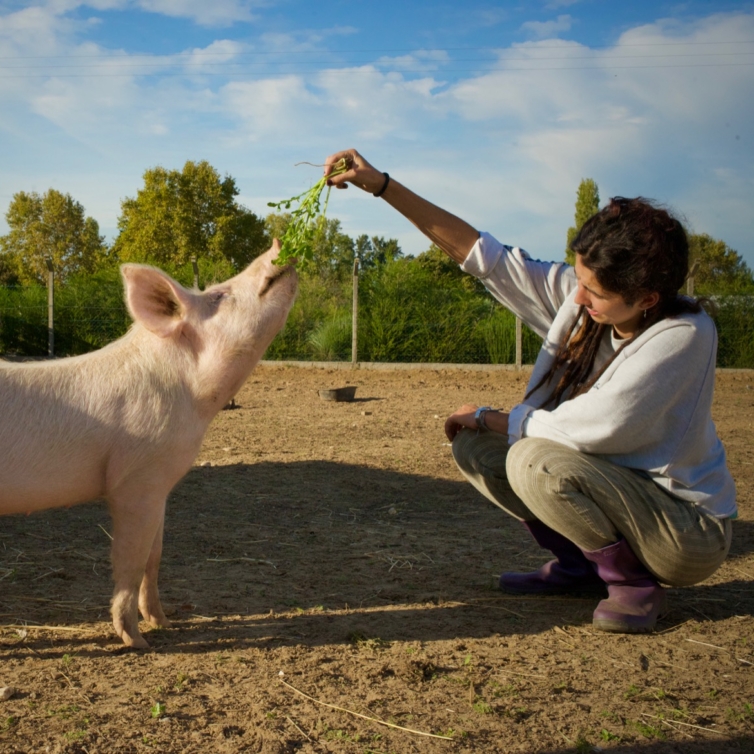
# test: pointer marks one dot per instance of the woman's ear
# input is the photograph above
(648, 301)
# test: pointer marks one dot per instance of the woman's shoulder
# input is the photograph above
(693, 332)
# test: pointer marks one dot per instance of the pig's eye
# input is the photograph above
(270, 279)
(215, 297)
(266, 285)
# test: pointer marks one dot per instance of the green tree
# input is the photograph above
(190, 213)
(587, 204)
(52, 226)
(333, 250)
(721, 270)
(10, 269)
(442, 267)
(376, 251)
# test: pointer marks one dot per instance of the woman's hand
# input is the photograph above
(360, 172)
(460, 418)
(453, 235)
(464, 417)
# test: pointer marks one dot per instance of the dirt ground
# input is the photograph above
(330, 578)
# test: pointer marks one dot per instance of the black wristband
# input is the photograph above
(384, 186)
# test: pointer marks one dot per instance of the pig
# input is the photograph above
(126, 422)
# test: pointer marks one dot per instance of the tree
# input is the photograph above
(377, 251)
(587, 204)
(443, 269)
(721, 270)
(190, 213)
(53, 226)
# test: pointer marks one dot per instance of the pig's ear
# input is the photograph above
(154, 299)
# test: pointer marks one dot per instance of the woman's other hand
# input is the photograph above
(460, 418)
(465, 418)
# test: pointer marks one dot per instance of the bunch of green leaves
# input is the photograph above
(297, 242)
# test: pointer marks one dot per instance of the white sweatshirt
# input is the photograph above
(651, 409)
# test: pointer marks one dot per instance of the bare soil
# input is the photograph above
(330, 578)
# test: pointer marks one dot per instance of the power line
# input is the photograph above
(387, 50)
(507, 58)
(414, 70)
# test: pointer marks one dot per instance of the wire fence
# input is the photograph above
(84, 321)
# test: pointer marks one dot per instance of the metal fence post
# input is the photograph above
(519, 344)
(50, 308)
(355, 315)
(196, 272)
(690, 278)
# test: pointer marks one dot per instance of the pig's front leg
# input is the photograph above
(150, 606)
(136, 523)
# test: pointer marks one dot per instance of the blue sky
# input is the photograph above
(494, 110)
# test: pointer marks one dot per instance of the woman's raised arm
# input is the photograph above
(453, 235)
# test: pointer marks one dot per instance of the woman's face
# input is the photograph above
(609, 308)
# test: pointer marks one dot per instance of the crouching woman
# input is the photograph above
(612, 461)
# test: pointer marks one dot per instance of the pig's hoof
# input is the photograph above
(137, 642)
(155, 619)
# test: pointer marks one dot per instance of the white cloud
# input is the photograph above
(656, 114)
(270, 108)
(547, 29)
(203, 12)
(556, 4)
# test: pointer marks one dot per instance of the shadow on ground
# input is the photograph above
(315, 553)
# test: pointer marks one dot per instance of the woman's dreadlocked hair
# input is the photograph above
(633, 247)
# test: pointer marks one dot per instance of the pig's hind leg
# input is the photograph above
(150, 606)
(137, 520)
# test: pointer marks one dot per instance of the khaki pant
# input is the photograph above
(594, 503)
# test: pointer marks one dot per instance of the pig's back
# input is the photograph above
(62, 424)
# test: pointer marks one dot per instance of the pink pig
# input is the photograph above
(125, 423)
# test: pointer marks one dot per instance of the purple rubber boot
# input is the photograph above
(635, 598)
(570, 572)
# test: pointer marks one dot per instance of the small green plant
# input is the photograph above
(482, 707)
(582, 746)
(648, 731)
(746, 713)
(66, 712)
(9, 722)
(450, 732)
(612, 716)
(180, 681)
(306, 219)
(607, 736)
(76, 735)
(158, 710)
(363, 642)
(632, 692)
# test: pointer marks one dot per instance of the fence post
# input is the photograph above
(355, 315)
(50, 307)
(519, 344)
(690, 278)
(196, 272)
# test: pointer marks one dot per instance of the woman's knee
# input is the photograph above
(530, 465)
